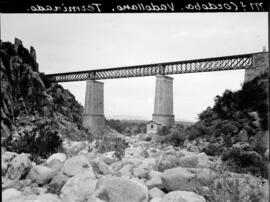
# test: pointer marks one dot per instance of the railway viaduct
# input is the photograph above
(93, 117)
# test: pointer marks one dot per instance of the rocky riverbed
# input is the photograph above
(149, 172)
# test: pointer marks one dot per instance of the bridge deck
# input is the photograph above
(233, 62)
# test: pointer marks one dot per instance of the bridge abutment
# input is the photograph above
(163, 109)
(93, 116)
(260, 66)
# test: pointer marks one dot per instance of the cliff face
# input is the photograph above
(27, 97)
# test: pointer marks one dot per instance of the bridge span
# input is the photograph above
(233, 62)
(93, 117)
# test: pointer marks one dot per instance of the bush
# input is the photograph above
(213, 149)
(197, 130)
(38, 140)
(235, 189)
(111, 143)
(245, 161)
(164, 130)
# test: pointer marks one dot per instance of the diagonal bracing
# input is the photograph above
(234, 62)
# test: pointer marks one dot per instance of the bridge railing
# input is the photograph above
(234, 62)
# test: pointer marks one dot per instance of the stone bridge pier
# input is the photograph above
(163, 109)
(93, 115)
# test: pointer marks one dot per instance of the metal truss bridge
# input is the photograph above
(234, 62)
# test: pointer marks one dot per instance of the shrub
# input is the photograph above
(197, 130)
(164, 130)
(213, 149)
(226, 187)
(244, 161)
(41, 140)
(112, 143)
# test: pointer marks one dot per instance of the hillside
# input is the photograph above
(235, 128)
(32, 107)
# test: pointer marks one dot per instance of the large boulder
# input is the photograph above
(16, 184)
(117, 189)
(6, 158)
(41, 174)
(55, 164)
(155, 200)
(108, 157)
(140, 172)
(8, 194)
(155, 180)
(77, 165)
(94, 199)
(200, 160)
(186, 179)
(58, 182)
(183, 196)
(57, 156)
(78, 188)
(19, 166)
(73, 147)
(156, 193)
(166, 162)
(117, 165)
(101, 167)
(126, 170)
(47, 197)
(149, 164)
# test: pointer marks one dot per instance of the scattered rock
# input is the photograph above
(94, 199)
(117, 165)
(58, 182)
(104, 168)
(16, 184)
(149, 164)
(77, 165)
(200, 160)
(155, 180)
(156, 193)
(183, 196)
(9, 194)
(47, 197)
(55, 164)
(57, 156)
(41, 174)
(127, 170)
(140, 172)
(167, 161)
(186, 179)
(108, 157)
(155, 200)
(117, 189)
(6, 158)
(19, 166)
(194, 148)
(73, 147)
(78, 188)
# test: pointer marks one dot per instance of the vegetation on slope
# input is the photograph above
(235, 128)
(35, 114)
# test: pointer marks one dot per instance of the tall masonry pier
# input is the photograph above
(93, 116)
(163, 110)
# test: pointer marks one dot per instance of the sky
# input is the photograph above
(76, 42)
